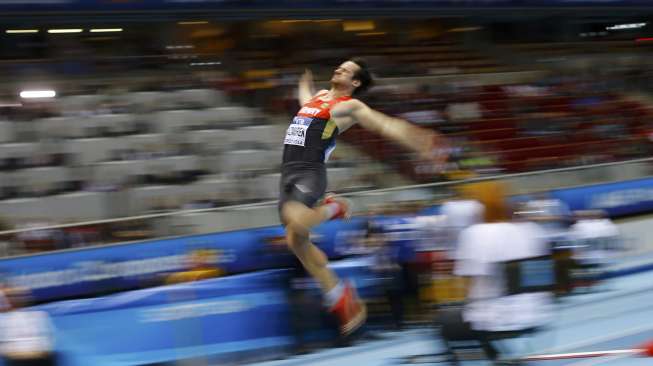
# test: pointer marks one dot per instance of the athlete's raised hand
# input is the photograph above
(307, 78)
(436, 151)
(306, 87)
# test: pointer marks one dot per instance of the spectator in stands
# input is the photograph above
(456, 214)
(596, 238)
(552, 214)
(526, 90)
(34, 241)
(4, 224)
(460, 213)
(463, 111)
(423, 117)
(198, 202)
(26, 336)
(5, 240)
(388, 272)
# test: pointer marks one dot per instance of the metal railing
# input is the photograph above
(520, 182)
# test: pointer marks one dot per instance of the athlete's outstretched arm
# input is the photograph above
(421, 140)
(306, 89)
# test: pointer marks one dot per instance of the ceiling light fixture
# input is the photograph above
(70, 30)
(105, 30)
(35, 94)
(21, 31)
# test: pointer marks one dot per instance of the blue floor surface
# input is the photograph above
(617, 315)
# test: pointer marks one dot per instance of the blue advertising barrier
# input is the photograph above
(360, 272)
(403, 234)
(617, 199)
(58, 275)
(243, 316)
(211, 318)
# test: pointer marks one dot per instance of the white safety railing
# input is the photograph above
(508, 177)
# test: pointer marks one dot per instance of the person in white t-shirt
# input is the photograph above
(552, 214)
(595, 239)
(483, 251)
(460, 214)
(26, 336)
(456, 214)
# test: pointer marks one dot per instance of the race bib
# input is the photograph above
(296, 133)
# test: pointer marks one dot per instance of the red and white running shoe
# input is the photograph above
(350, 310)
(344, 206)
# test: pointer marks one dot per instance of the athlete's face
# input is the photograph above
(344, 75)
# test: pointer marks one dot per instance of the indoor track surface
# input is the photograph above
(618, 314)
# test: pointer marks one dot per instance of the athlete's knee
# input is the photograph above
(295, 240)
(291, 216)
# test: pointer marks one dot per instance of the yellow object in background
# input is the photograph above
(201, 266)
(444, 289)
(194, 275)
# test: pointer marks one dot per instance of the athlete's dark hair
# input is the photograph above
(363, 75)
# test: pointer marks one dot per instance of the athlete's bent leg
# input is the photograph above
(341, 297)
(313, 259)
(300, 219)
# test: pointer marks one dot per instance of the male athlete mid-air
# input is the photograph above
(309, 141)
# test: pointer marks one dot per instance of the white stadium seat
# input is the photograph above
(211, 164)
(339, 178)
(200, 97)
(6, 131)
(209, 140)
(78, 206)
(142, 199)
(213, 187)
(116, 123)
(116, 172)
(138, 142)
(43, 179)
(22, 209)
(19, 150)
(169, 164)
(69, 127)
(119, 171)
(234, 116)
(93, 150)
(263, 134)
(238, 160)
(172, 121)
(76, 103)
(149, 100)
(265, 186)
(200, 118)
(55, 127)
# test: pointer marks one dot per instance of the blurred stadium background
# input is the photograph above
(140, 144)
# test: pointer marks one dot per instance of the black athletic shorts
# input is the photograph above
(302, 182)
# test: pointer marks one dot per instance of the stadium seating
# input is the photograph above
(528, 128)
(6, 132)
(174, 140)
